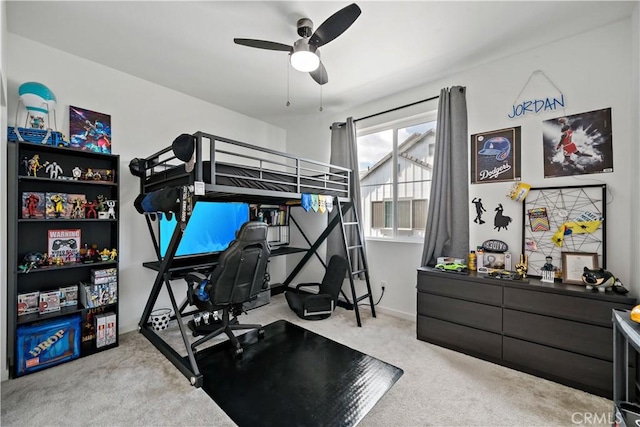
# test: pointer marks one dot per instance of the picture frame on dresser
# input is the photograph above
(573, 264)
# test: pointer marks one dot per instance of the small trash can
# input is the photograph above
(160, 319)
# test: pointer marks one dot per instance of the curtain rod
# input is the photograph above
(391, 110)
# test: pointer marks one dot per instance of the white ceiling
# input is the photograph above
(392, 46)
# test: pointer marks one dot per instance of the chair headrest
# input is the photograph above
(252, 230)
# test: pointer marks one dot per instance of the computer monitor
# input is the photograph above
(211, 228)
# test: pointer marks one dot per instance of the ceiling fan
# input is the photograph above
(304, 54)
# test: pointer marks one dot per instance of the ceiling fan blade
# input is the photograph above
(263, 44)
(320, 75)
(335, 25)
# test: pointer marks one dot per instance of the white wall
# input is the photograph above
(144, 118)
(592, 69)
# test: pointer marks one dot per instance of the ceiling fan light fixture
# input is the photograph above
(304, 56)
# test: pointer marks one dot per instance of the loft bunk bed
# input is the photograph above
(206, 167)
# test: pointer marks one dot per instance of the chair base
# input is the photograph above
(225, 325)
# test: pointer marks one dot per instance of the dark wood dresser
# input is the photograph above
(555, 331)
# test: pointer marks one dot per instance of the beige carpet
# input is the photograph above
(134, 385)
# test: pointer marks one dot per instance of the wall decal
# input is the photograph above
(500, 221)
(479, 210)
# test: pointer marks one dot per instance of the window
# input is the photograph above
(396, 163)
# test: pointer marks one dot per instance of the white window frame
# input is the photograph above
(395, 125)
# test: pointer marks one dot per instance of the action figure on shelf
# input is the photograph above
(37, 122)
(58, 205)
(104, 255)
(111, 211)
(76, 172)
(90, 209)
(113, 255)
(54, 170)
(101, 202)
(34, 165)
(32, 204)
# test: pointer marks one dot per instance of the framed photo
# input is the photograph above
(495, 156)
(579, 144)
(573, 264)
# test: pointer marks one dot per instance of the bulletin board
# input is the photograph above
(563, 219)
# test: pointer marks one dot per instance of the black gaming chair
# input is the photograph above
(320, 306)
(238, 278)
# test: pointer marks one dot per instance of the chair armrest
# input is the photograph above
(318, 304)
(194, 277)
(300, 285)
(193, 280)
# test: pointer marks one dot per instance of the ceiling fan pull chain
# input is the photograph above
(321, 76)
(288, 103)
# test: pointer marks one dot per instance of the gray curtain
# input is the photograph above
(344, 152)
(447, 230)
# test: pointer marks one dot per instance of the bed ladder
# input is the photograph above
(356, 244)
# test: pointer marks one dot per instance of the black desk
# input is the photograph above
(626, 339)
(205, 263)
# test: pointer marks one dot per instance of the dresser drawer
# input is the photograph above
(458, 288)
(579, 337)
(460, 338)
(574, 308)
(467, 313)
(573, 369)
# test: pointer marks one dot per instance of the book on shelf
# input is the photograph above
(64, 243)
(97, 295)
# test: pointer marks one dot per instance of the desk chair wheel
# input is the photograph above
(260, 333)
(237, 353)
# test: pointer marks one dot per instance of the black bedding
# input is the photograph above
(248, 177)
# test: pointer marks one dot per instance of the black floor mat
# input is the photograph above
(294, 377)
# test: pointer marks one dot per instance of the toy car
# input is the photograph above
(505, 274)
(451, 266)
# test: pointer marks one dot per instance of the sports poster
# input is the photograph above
(579, 144)
(495, 156)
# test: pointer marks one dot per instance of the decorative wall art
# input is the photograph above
(479, 210)
(501, 220)
(563, 219)
(89, 130)
(578, 144)
(495, 156)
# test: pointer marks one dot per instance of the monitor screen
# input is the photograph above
(211, 228)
